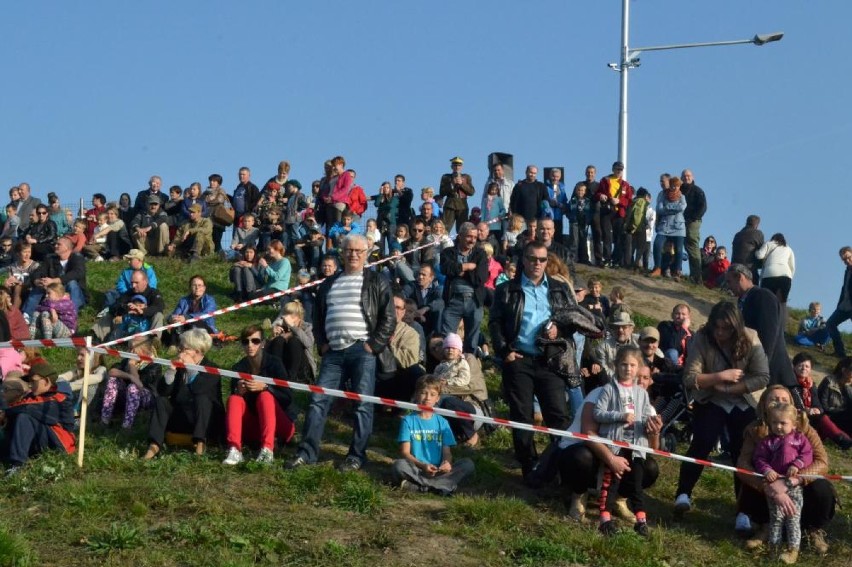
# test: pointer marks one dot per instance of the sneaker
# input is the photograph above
(235, 457)
(12, 471)
(641, 528)
(844, 442)
(351, 464)
(577, 507)
(742, 525)
(608, 528)
(816, 539)
(760, 537)
(622, 511)
(790, 556)
(297, 462)
(408, 486)
(102, 312)
(265, 456)
(682, 505)
(26, 319)
(99, 258)
(655, 273)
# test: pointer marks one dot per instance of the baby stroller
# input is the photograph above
(670, 399)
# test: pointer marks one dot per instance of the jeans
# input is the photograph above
(358, 366)
(463, 307)
(37, 294)
(837, 318)
(659, 242)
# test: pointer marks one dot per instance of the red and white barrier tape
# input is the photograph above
(445, 412)
(265, 298)
(68, 342)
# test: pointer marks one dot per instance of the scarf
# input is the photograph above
(674, 195)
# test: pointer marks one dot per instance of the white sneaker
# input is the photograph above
(235, 457)
(99, 259)
(682, 504)
(265, 456)
(743, 524)
(102, 312)
(26, 319)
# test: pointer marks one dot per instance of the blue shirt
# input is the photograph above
(536, 313)
(428, 437)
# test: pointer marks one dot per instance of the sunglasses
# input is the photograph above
(253, 340)
(537, 259)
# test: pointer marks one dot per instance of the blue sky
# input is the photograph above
(100, 95)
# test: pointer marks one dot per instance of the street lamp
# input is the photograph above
(630, 60)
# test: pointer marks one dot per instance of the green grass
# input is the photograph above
(184, 510)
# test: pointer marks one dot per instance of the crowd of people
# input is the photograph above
(410, 328)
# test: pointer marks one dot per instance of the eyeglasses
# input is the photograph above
(42, 213)
(537, 259)
(354, 251)
(417, 230)
(253, 340)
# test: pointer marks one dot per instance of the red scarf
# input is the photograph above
(806, 384)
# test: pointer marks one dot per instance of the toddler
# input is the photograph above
(783, 453)
(454, 371)
(717, 267)
(132, 323)
(510, 237)
(56, 315)
(622, 410)
(425, 442)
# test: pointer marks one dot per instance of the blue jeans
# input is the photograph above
(37, 294)
(359, 367)
(837, 318)
(659, 242)
(463, 308)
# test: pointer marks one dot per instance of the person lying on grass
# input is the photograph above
(425, 445)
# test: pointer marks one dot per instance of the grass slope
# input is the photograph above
(183, 510)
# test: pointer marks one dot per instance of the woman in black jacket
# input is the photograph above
(188, 401)
(256, 410)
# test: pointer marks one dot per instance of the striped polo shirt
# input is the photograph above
(344, 322)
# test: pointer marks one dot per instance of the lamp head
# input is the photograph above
(762, 39)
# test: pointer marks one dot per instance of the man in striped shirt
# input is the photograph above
(354, 320)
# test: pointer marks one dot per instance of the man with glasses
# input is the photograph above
(522, 312)
(354, 320)
(843, 312)
(465, 266)
(150, 229)
(41, 234)
(414, 258)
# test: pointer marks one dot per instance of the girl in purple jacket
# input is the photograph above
(783, 453)
(56, 316)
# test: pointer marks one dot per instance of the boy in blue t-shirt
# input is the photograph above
(425, 440)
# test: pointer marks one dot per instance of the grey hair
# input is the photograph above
(196, 339)
(351, 238)
(742, 270)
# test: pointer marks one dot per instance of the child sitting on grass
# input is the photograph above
(42, 419)
(715, 271)
(425, 440)
(56, 315)
(454, 371)
(812, 329)
(622, 410)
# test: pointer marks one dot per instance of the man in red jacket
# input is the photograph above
(614, 195)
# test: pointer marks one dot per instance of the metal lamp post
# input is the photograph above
(630, 60)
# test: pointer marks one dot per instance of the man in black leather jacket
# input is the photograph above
(354, 320)
(522, 311)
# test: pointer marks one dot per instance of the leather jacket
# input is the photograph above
(43, 232)
(505, 318)
(376, 306)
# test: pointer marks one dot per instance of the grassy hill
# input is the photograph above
(184, 510)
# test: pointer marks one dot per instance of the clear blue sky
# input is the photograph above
(100, 95)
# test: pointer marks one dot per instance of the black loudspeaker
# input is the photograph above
(506, 160)
(547, 171)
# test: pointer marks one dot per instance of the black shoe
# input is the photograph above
(845, 443)
(351, 464)
(608, 528)
(641, 528)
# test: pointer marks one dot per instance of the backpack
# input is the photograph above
(634, 219)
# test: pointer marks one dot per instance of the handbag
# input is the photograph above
(222, 215)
